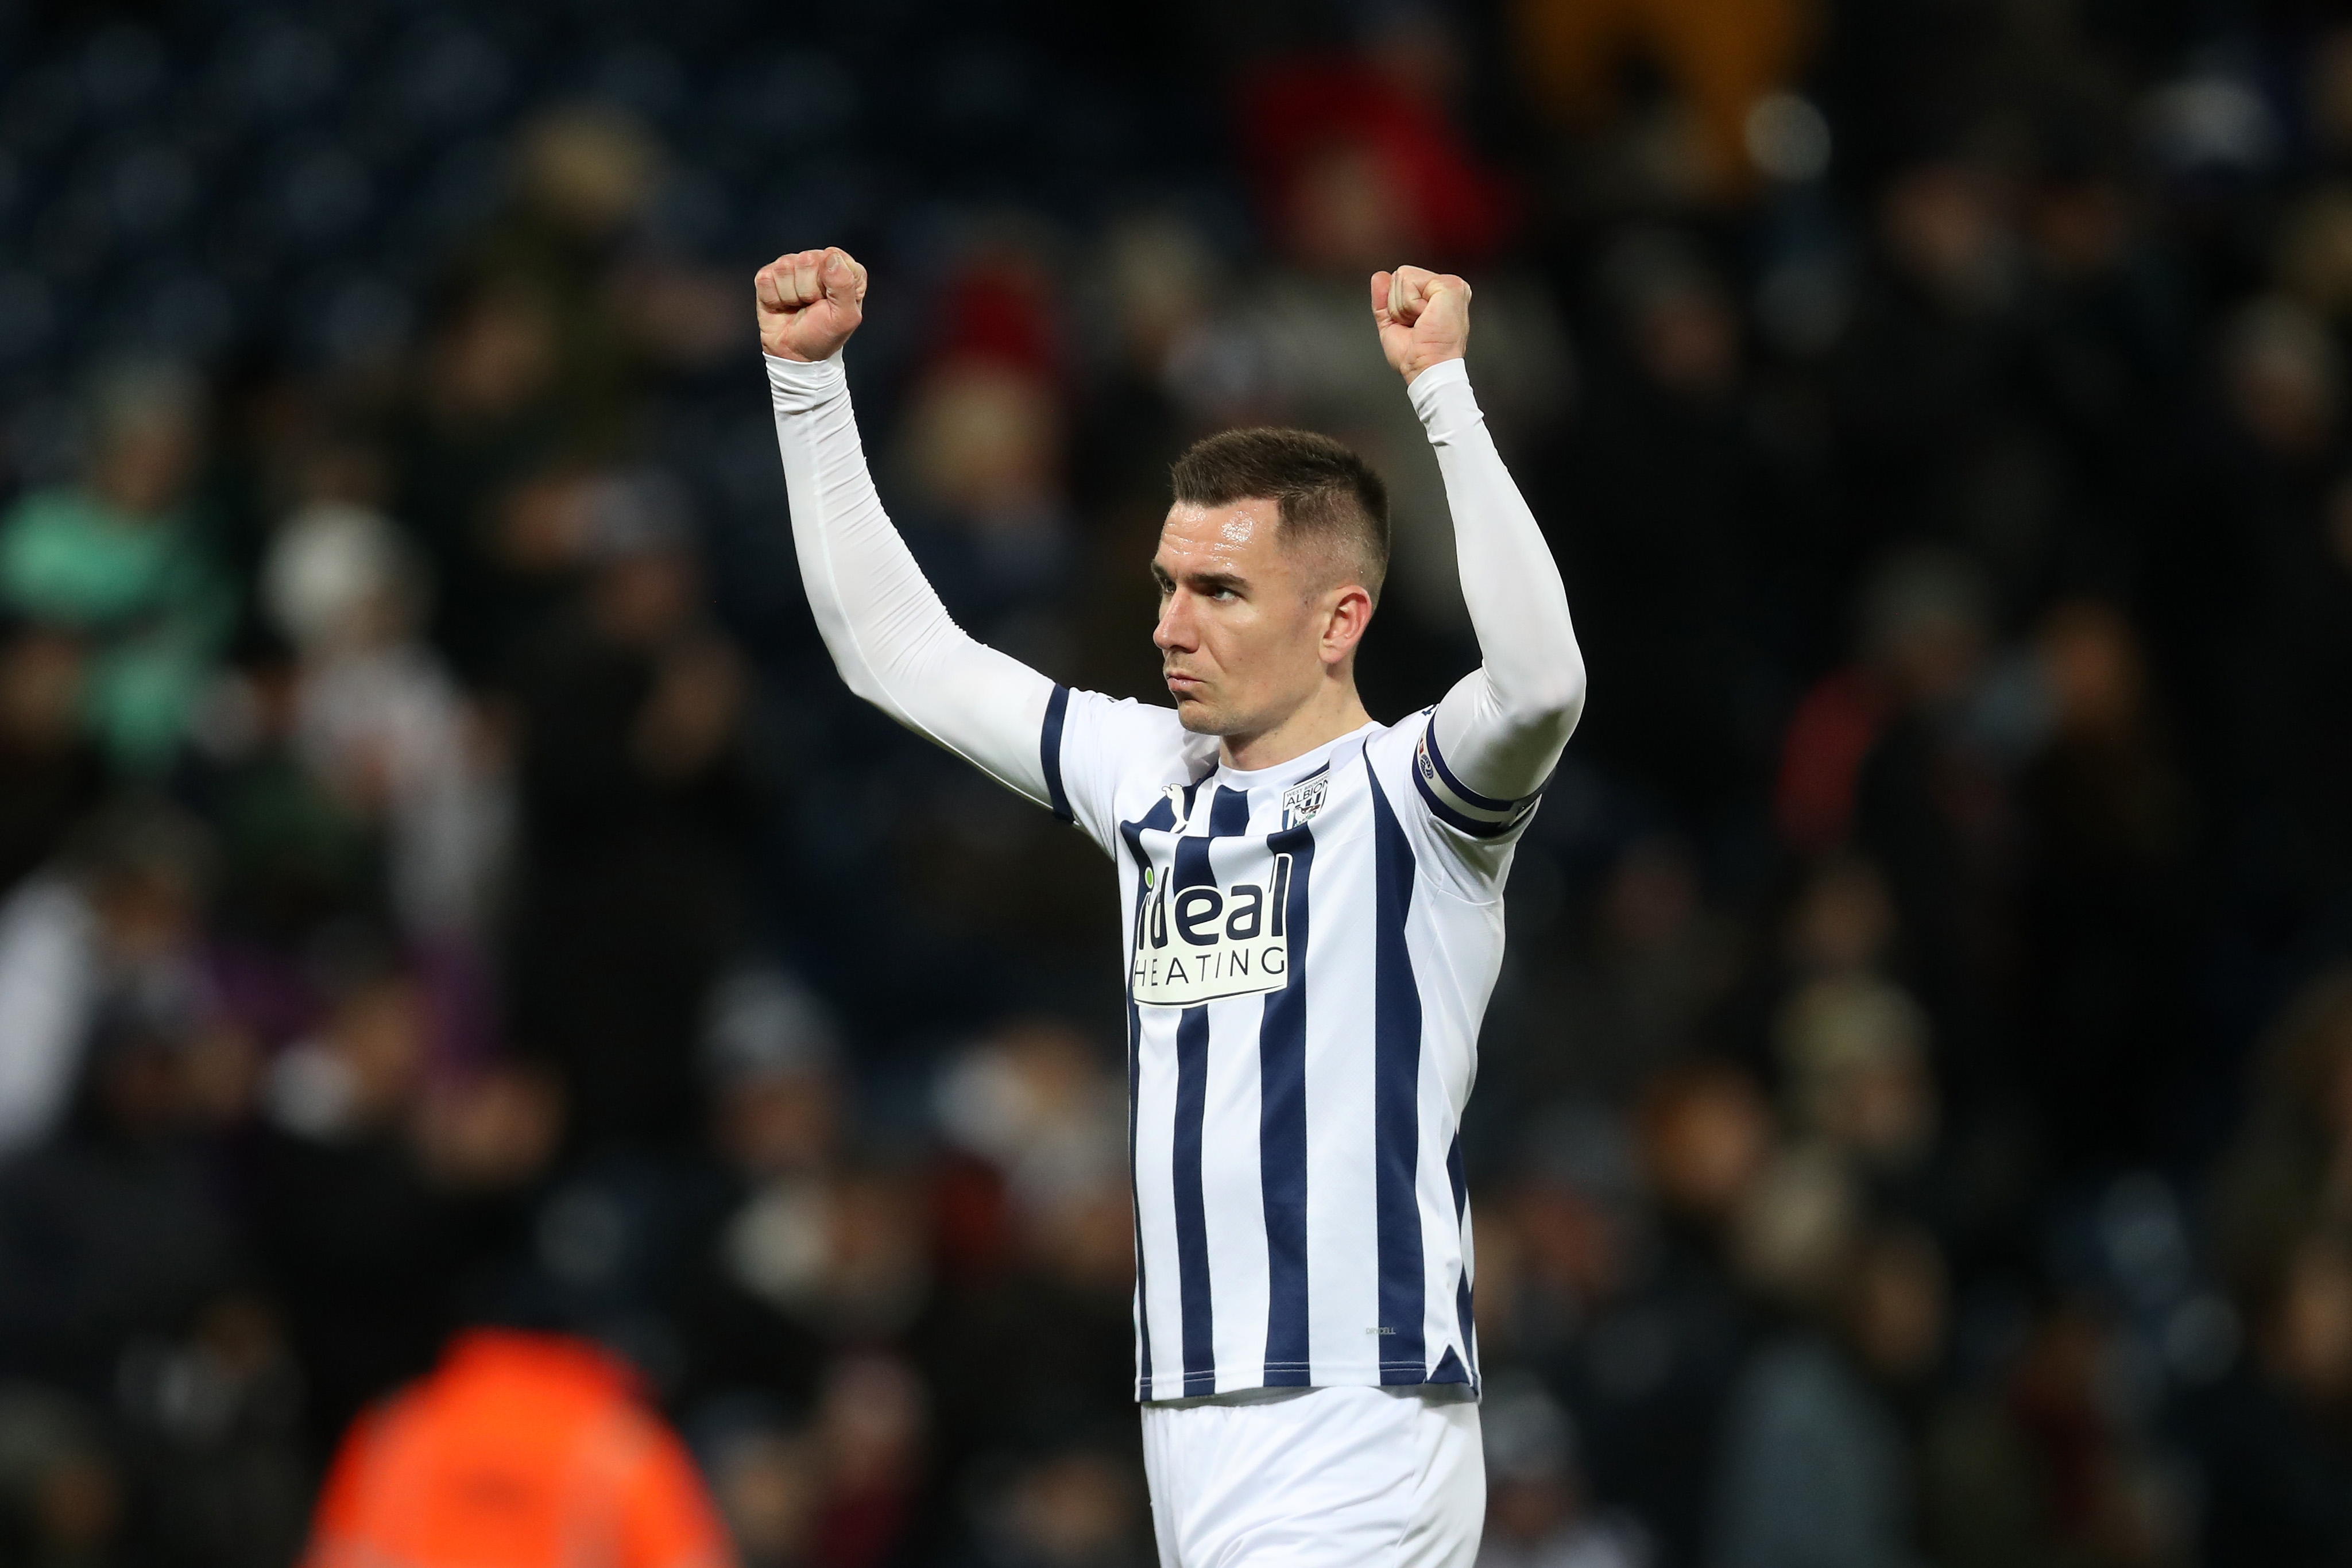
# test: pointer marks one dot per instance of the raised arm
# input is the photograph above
(890, 637)
(1499, 732)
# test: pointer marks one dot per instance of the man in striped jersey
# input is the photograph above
(1313, 921)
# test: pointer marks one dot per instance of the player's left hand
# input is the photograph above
(1423, 317)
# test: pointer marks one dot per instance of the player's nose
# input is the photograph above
(1175, 628)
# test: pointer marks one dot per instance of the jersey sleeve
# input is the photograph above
(1098, 754)
(1464, 837)
(889, 635)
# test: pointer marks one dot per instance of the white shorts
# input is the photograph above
(1348, 1477)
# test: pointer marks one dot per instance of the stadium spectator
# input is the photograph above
(2270, 1437)
(112, 934)
(520, 1449)
(52, 773)
(120, 562)
(1816, 1465)
(638, 785)
(1538, 1515)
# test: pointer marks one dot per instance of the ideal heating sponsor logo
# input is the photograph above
(1199, 944)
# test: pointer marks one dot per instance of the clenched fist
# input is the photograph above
(810, 302)
(1423, 317)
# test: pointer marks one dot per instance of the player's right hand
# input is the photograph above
(810, 302)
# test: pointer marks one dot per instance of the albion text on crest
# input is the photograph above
(1302, 800)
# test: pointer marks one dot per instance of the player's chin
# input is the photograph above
(1198, 715)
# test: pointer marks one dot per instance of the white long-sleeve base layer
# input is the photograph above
(1308, 947)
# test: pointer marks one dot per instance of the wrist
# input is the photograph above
(802, 385)
(1414, 372)
(796, 363)
(1442, 398)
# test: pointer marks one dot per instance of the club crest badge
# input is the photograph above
(1302, 800)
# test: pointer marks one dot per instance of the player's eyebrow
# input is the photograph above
(1200, 581)
(1213, 582)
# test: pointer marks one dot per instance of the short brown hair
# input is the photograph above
(1324, 494)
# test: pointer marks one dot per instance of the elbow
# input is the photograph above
(1572, 710)
(1537, 709)
(867, 686)
(859, 676)
(1555, 700)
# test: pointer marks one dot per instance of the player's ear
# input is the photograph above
(1351, 612)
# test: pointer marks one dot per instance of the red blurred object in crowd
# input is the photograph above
(1296, 111)
(971, 1217)
(1829, 735)
(997, 307)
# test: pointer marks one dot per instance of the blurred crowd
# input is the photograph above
(454, 926)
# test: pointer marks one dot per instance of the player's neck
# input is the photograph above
(1335, 710)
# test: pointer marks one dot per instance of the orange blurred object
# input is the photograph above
(1720, 56)
(521, 1450)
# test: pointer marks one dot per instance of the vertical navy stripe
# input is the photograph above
(1134, 1215)
(1229, 814)
(1160, 817)
(1396, 1105)
(1282, 1126)
(1192, 1208)
(1462, 1306)
(1049, 750)
(1228, 817)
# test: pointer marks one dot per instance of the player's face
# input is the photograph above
(1241, 628)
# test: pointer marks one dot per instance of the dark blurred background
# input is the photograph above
(445, 884)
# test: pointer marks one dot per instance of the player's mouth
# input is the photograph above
(1183, 686)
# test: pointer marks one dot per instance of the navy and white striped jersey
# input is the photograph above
(1309, 949)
